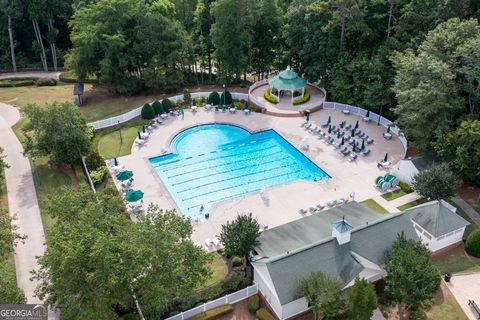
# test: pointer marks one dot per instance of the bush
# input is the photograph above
(71, 77)
(157, 107)
(148, 112)
(45, 82)
(472, 245)
(187, 97)
(94, 160)
(302, 100)
(214, 313)
(237, 261)
(226, 97)
(232, 283)
(10, 83)
(128, 316)
(405, 187)
(269, 98)
(263, 314)
(246, 281)
(167, 105)
(98, 175)
(214, 98)
(253, 304)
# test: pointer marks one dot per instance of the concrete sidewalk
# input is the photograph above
(22, 203)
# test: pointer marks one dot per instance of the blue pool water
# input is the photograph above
(214, 162)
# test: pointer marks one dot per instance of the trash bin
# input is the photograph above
(447, 277)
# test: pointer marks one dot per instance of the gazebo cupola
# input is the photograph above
(289, 81)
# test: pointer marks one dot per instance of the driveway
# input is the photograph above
(464, 288)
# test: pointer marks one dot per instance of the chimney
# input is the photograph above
(341, 230)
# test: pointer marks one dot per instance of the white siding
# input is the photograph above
(405, 171)
(293, 308)
(435, 244)
(267, 293)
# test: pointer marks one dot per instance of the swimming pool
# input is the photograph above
(214, 162)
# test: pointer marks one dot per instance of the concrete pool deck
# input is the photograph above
(282, 202)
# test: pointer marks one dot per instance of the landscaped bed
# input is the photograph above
(395, 194)
(372, 204)
(109, 143)
(412, 204)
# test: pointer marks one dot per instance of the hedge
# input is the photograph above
(148, 112)
(45, 82)
(71, 77)
(263, 314)
(302, 100)
(167, 105)
(269, 98)
(214, 98)
(157, 107)
(253, 304)
(472, 245)
(214, 313)
(11, 83)
(405, 187)
(226, 98)
(237, 261)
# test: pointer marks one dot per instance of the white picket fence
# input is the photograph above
(227, 299)
(105, 123)
(373, 116)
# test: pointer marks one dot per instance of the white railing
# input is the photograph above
(227, 299)
(89, 178)
(373, 116)
(105, 123)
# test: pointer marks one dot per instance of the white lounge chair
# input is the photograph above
(208, 242)
(216, 242)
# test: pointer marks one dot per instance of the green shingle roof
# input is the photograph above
(437, 217)
(287, 80)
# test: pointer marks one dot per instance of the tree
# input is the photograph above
(153, 259)
(3, 165)
(157, 106)
(148, 112)
(460, 149)
(203, 21)
(240, 236)
(472, 245)
(187, 97)
(56, 131)
(214, 98)
(437, 182)
(362, 300)
(36, 11)
(324, 295)
(411, 279)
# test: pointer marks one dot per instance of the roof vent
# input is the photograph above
(341, 230)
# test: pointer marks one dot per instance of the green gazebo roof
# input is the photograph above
(287, 80)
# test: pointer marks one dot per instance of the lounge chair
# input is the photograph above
(208, 242)
(330, 204)
(369, 141)
(348, 126)
(198, 244)
(308, 126)
(139, 142)
(312, 209)
(304, 124)
(353, 157)
(313, 129)
(320, 206)
(216, 242)
(302, 211)
(343, 150)
(365, 153)
(346, 153)
(326, 124)
(340, 201)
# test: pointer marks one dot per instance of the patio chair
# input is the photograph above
(365, 153)
(330, 204)
(208, 242)
(139, 142)
(353, 157)
(326, 124)
(346, 153)
(369, 141)
(340, 201)
(348, 126)
(216, 242)
(320, 206)
(302, 211)
(308, 126)
(312, 209)
(313, 129)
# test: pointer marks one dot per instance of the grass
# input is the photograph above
(219, 270)
(457, 263)
(447, 309)
(372, 204)
(392, 195)
(471, 227)
(47, 181)
(412, 204)
(108, 141)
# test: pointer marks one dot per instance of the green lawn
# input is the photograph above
(372, 204)
(457, 264)
(472, 226)
(392, 195)
(47, 181)
(108, 141)
(412, 204)
(219, 270)
(446, 309)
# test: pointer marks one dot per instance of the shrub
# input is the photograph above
(167, 105)
(94, 160)
(71, 77)
(268, 97)
(226, 97)
(214, 98)
(253, 304)
(187, 97)
(98, 175)
(10, 83)
(157, 107)
(45, 82)
(302, 100)
(263, 314)
(233, 282)
(148, 112)
(472, 245)
(214, 313)
(237, 261)
(128, 316)
(246, 281)
(405, 187)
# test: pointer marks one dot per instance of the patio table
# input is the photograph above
(346, 112)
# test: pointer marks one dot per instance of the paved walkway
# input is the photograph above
(472, 213)
(22, 202)
(392, 206)
(39, 74)
(464, 288)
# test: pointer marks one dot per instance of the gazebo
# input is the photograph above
(287, 80)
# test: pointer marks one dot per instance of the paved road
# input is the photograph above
(22, 202)
(39, 74)
(472, 213)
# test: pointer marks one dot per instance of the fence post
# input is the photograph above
(181, 314)
(204, 307)
(226, 299)
(247, 292)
